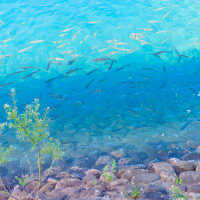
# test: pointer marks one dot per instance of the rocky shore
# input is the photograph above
(110, 180)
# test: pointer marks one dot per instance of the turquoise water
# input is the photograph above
(116, 74)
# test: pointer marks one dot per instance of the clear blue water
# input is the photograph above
(147, 102)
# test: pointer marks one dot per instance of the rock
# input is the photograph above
(91, 193)
(118, 154)
(198, 149)
(128, 174)
(68, 182)
(191, 156)
(120, 185)
(17, 193)
(31, 186)
(165, 171)
(125, 168)
(194, 196)
(89, 178)
(103, 160)
(195, 188)
(181, 166)
(124, 161)
(58, 194)
(190, 177)
(107, 177)
(94, 172)
(144, 178)
(52, 181)
(47, 188)
(198, 168)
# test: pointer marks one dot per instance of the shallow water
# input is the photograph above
(146, 103)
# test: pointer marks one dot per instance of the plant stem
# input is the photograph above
(39, 166)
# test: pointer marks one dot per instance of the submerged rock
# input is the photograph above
(118, 154)
(103, 160)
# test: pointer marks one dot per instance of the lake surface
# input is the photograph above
(115, 74)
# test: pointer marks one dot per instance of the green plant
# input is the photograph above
(179, 181)
(22, 182)
(113, 166)
(135, 193)
(94, 182)
(177, 194)
(109, 177)
(4, 153)
(31, 127)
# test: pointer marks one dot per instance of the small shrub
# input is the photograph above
(135, 193)
(177, 194)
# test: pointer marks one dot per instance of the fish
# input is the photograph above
(164, 69)
(160, 52)
(56, 96)
(145, 29)
(70, 62)
(66, 30)
(100, 59)
(111, 65)
(14, 73)
(153, 21)
(75, 35)
(31, 74)
(36, 41)
(181, 55)
(54, 78)
(60, 46)
(164, 16)
(5, 41)
(67, 52)
(91, 72)
(185, 126)
(89, 83)
(159, 9)
(96, 91)
(102, 80)
(102, 50)
(48, 66)
(57, 62)
(4, 56)
(148, 68)
(93, 22)
(2, 22)
(25, 49)
(57, 58)
(5, 84)
(95, 34)
(72, 70)
(120, 68)
(29, 67)
(112, 53)
(161, 32)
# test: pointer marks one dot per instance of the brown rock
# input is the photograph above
(124, 161)
(31, 186)
(144, 178)
(198, 168)
(193, 188)
(94, 172)
(165, 171)
(91, 193)
(181, 166)
(118, 154)
(46, 188)
(88, 178)
(190, 177)
(68, 182)
(52, 181)
(103, 160)
(18, 194)
(120, 185)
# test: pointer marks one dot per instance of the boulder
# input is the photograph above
(190, 177)
(103, 160)
(165, 171)
(181, 166)
(144, 178)
(118, 154)
(68, 182)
